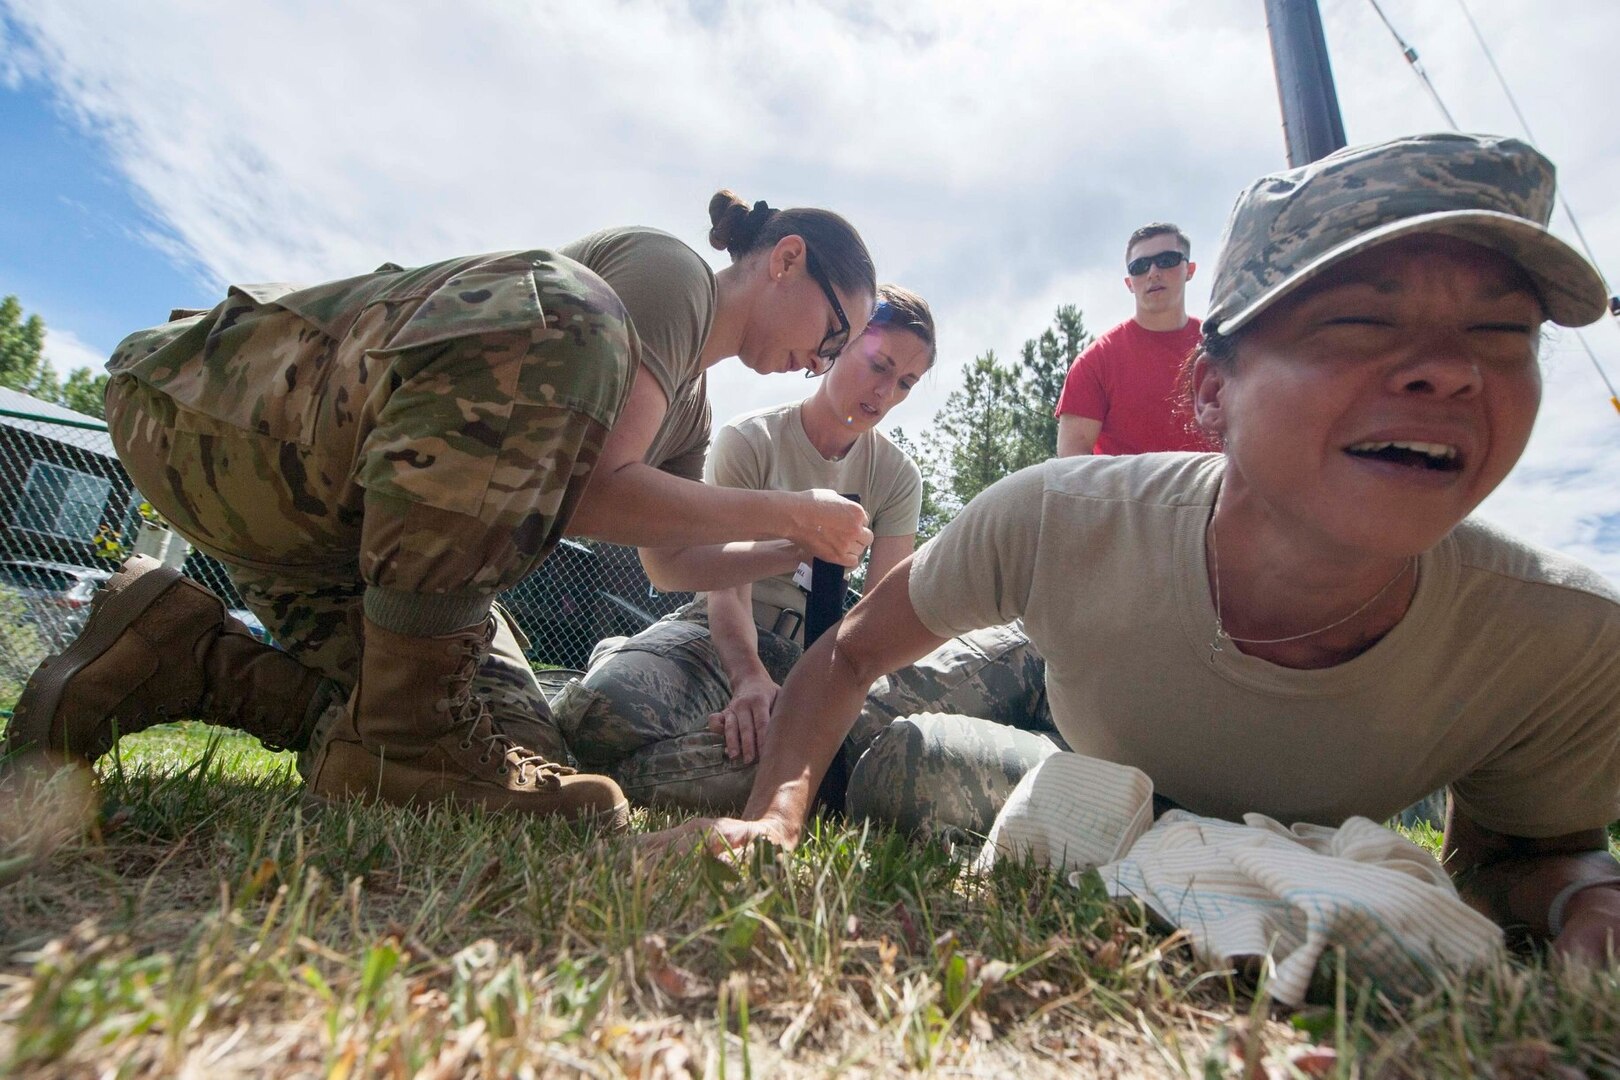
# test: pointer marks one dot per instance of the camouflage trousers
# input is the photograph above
(940, 745)
(442, 470)
(640, 714)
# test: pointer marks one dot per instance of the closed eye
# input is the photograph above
(1504, 328)
(1357, 320)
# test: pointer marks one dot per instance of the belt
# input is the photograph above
(785, 622)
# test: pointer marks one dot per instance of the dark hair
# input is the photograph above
(1159, 228)
(740, 230)
(1220, 352)
(1218, 348)
(903, 309)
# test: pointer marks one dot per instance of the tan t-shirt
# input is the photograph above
(1503, 679)
(669, 292)
(768, 450)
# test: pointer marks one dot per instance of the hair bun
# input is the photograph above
(742, 231)
(734, 223)
(726, 213)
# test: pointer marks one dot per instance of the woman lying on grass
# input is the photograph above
(1307, 625)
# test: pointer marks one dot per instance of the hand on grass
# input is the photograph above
(722, 836)
(1592, 927)
(745, 717)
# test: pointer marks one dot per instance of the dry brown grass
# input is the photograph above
(210, 926)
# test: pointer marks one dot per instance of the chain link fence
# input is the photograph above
(69, 514)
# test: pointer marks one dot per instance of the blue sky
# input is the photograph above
(994, 156)
(73, 248)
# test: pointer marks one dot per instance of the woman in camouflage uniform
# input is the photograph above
(374, 459)
(675, 713)
(1307, 625)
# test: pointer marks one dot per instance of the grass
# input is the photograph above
(210, 924)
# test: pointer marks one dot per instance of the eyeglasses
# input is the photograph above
(835, 340)
(1164, 260)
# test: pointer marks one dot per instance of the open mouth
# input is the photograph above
(869, 410)
(1435, 457)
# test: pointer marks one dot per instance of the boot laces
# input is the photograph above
(482, 727)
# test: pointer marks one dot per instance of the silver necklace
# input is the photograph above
(1220, 631)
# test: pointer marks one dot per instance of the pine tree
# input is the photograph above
(1001, 419)
(976, 432)
(933, 517)
(1044, 363)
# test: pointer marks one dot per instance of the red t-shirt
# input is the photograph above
(1130, 379)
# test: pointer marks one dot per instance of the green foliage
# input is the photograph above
(1044, 365)
(977, 430)
(85, 392)
(1001, 419)
(923, 453)
(21, 647)
(109, 542)
(23, 365)
(22, 344)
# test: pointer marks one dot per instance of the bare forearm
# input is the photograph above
(731, 629)
(643, 507)
(818, 704)
(824, 693)
(718, 566)
(815, 710)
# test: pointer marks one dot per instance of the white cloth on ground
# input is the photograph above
(1255, 888)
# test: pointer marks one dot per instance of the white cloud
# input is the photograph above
(66, 352)
(15, 64)
(994, 156)
(1564, 486)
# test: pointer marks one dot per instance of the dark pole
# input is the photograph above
(1312, 127)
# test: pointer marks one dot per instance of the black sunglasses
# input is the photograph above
(835, 340)
(1164, 260)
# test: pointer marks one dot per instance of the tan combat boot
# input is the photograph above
(415, 733)
(157, 647)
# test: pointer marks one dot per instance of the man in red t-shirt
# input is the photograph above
(1123, 394)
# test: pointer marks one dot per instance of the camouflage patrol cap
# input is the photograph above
(1290, 227)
